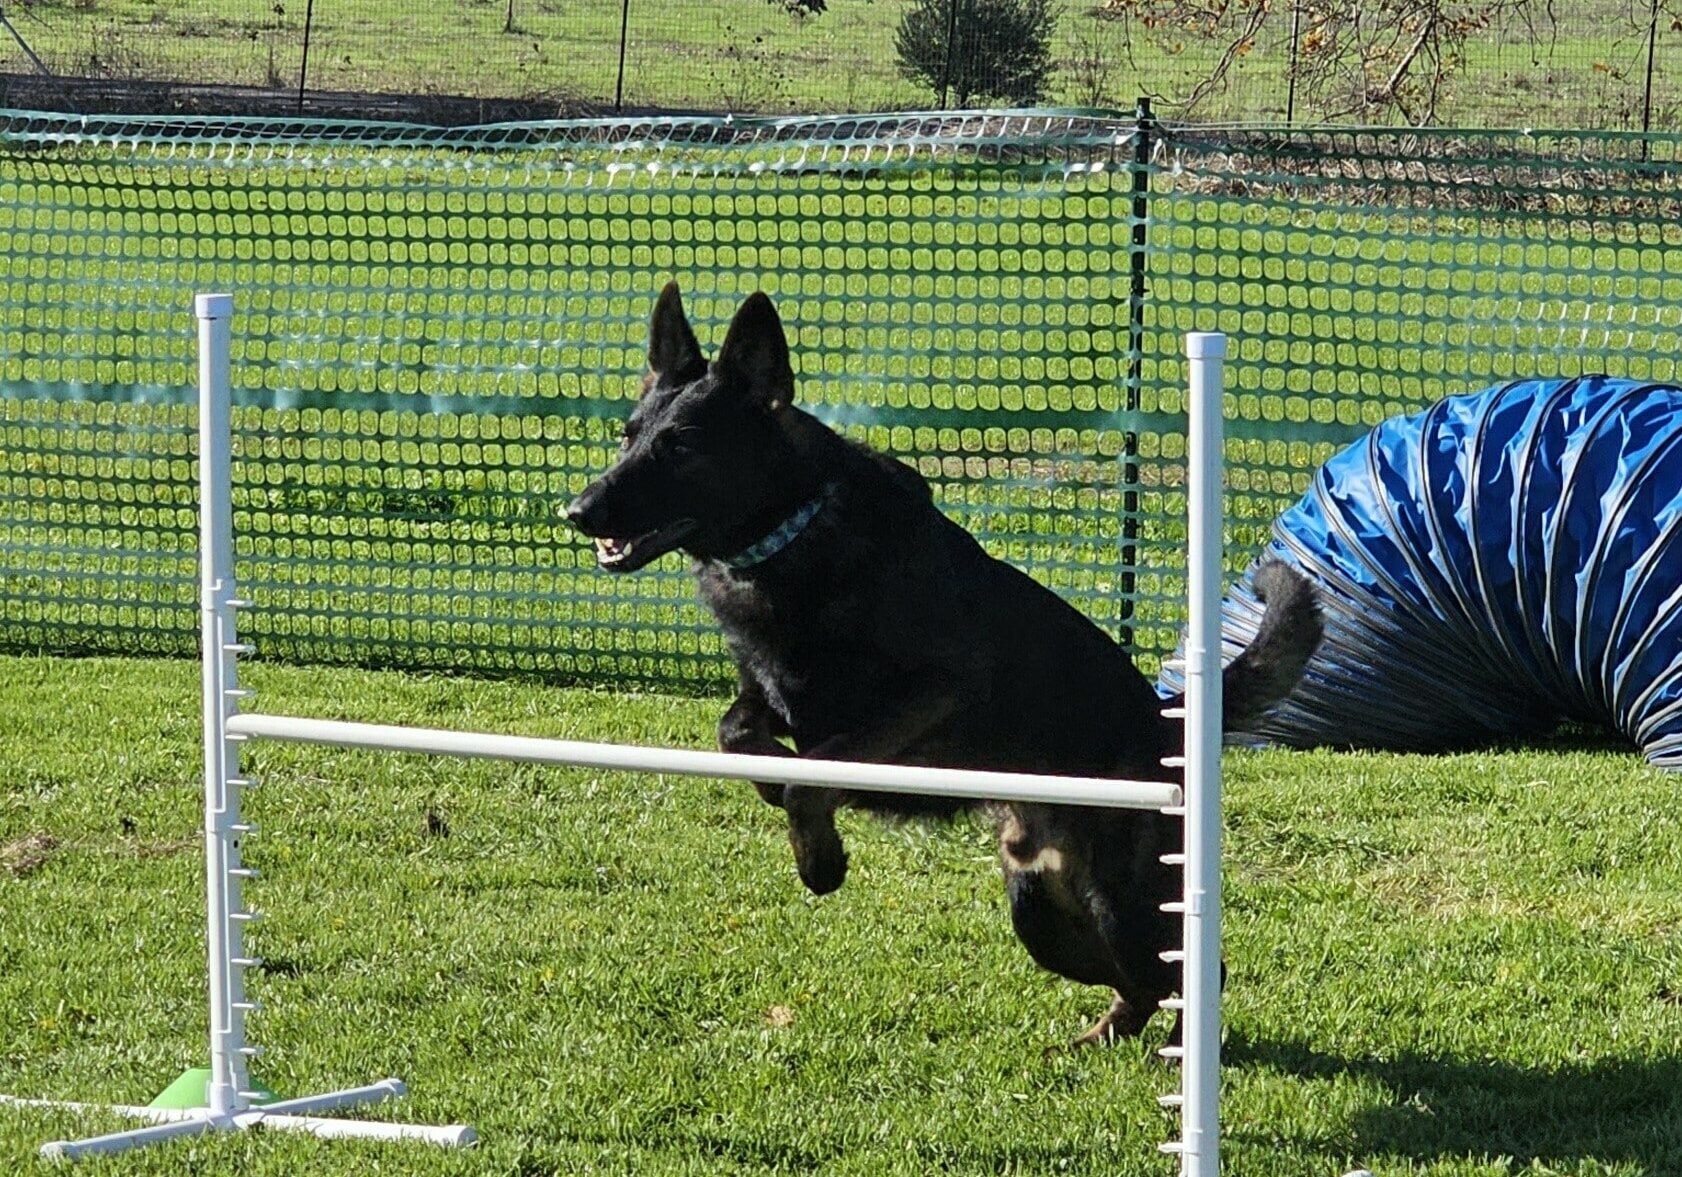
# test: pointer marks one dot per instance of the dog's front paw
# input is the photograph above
(820, 858)
(825, 875)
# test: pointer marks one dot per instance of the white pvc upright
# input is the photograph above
(230, 1100)
(229, 1087)
(1201, 1073)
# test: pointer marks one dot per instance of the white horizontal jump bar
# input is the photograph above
(949, 782)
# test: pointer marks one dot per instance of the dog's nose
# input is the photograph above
(579, 511)
(588, 512)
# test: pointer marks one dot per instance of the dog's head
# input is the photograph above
(707, 463)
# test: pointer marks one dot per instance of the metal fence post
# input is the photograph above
(1145, 132)
(624, 32)
(1291, 73)
(1647, 101)
(951, 40)
(304, 65)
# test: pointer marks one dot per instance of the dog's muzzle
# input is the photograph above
(621, 553)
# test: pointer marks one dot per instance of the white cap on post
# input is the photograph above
(1205, 345)
(213, 306)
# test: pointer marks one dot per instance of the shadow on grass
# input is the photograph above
(1442, 1107)
(1575, 737)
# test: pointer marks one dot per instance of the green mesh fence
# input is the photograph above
(1362, 274)
(437, 332)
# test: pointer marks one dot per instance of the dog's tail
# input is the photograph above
(1272, 664)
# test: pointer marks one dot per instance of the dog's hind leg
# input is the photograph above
(1136, 935)
(1130, 1011)
(1057, 927)
(1124, 1019)
(1085, 923)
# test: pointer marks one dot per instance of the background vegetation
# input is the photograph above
(1591, 64)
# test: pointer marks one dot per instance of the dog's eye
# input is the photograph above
(671, 442)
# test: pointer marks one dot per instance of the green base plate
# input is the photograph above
(191, 1090)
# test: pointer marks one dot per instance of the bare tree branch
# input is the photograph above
(1352, 57)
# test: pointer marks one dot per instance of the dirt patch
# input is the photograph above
(159, 847)
(30, 853)
(27, 855)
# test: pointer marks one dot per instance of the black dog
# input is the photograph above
(867, 626)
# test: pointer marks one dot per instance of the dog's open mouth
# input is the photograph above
(627, 555)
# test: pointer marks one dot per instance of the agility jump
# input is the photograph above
(232, 1102)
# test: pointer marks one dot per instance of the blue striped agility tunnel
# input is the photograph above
(1496, 564)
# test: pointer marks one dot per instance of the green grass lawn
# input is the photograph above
(1581, 67)
(1457, 965)
(726, 55)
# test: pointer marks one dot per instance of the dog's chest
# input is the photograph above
(807, 652)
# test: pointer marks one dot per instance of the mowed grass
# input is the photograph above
(1460, 965)
(723, 55)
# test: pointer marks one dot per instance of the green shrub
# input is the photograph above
(999, 49)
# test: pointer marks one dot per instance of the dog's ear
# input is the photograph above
(755, 353)
(673, 352)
